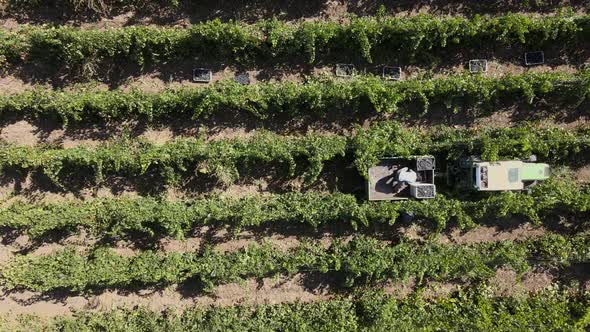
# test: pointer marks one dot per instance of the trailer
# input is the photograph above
(399, 178)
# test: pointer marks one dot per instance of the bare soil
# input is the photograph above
(252, 292)
(266, 291)
(225, 240)
(220, 239)
(479, 234)
(583, 174)
(179, 73)
(507, 282)
(301, 287)
(32, 132)
(13, 85)
(483, 234)
(194, 12)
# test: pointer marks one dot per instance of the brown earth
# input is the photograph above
(507, 282)
(251, 292)
(583, 174)
(180, 74)
(224, 240)
(269, 290)
(219, 239)
(190, 12)
(266, 291)
(483, 234)
(32, 133)
(479, 234)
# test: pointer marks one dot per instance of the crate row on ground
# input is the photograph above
(393, 73)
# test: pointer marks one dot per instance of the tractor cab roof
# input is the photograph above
(499, 175)
(507, 175)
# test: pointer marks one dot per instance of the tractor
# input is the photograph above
(400, 178)
(474, 174)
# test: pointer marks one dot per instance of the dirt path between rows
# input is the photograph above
(224, 240)
(193, 12)
(251, 292)
(31, 133)
(179, 73)
(267, 291)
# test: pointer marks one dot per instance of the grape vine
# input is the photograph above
(363, 37)
(223, 159)
(474, 310)
(317, 96)
(360, 261)
(150, 217)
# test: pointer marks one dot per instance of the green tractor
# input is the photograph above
(398, 178)
(475, 174)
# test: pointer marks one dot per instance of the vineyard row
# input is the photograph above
(474, 310)
(360, 261)
(361, 38)
(316, 97)
(102, 7)
(149, 217)
(112, 7)
(226, 160)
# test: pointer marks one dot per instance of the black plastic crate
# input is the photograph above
(345, 70)
(202, 75)
(478, 66)
(242, 78)
(392, 73)
(534, 58)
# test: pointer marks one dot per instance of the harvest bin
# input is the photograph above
(202, 75)
(392, 73)
(478, 66)
(534, 58)
(344, 70)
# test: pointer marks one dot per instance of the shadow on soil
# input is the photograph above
(338, 175)
(118, 72)
(161, 12)
(315, 282)
(340, 119)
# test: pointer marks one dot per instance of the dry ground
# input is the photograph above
(190, 12)
(301, 287)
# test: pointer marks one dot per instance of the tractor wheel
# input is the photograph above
(407, 217)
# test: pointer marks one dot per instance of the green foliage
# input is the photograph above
(317, 96)
(390, 138)
(323, 316)
(219, 159)
(360, 261)
(149, 217)
(474, 310)
(361, 38)
(223, 159)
